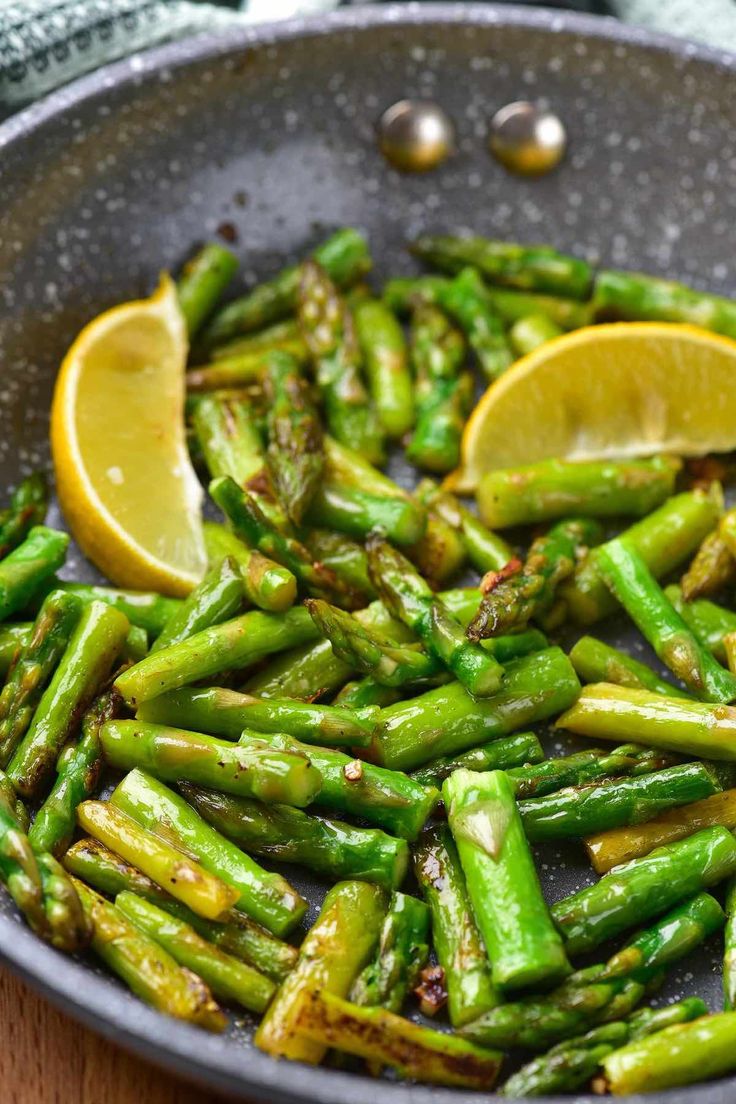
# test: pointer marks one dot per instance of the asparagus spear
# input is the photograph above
(328, 329)
(538, 779)
(326, 846)
(644, 887)
(25, 569)
(509, 751)
(401, 954)
(551, 489)
(78, 773)
(671, 938)
(217, 598)
(345, 258)
(13, 638)
(712, 569)
(448, 720)
(620, 845)
(414, 1051)
(382, 345)
(632, 584)
(240, 369)
(459, 947)
(387, 798)
(85, 665)
(145, 967)
(34, 667)
(502, 882)
(144, 610)
(595, 661)
(440, 554)
(485, 550)
(264, 896)
(709, 622)
(221, 712)
(106, 872)
(511, 600)
(228, 978)
(443, 394)
(28, 505)
(632, 296)
(265, 584)
(232, 644)
(528, 267)
(403, 293)
(357, 512)
(68, 925)
(335, 949)
(295, 456)
(279, 335)
(410, 598)
(528, 333)
(345, 557)
(572, 1063)
(468, 302)
(366, 692)
(579, 810)
(202, 282)
(663, 539)
(172, 754)
(608, 712)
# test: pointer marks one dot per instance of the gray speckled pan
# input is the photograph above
(270, 132)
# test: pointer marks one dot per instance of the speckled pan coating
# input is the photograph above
(268, 133)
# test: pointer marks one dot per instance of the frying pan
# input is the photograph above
(266, 135)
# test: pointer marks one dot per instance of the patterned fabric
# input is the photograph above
(46, 43)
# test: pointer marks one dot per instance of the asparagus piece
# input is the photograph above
(410, 598)
(448, 720)
(572, 1063)
(632, 584)
(712, 569)
(608, 712)
(402, 953)
(143, 610)
(345, 258)
(578, 810)
(414, 1051)
(13, 638)
(180, 875)
(228, 978)
(644, 887)
(679, 1055)
(202, 282)
(329, 332)
(671, 938)
(405, 292)
(460, 950)
(335, 949)
(440, 554)
(295, 456)
(382, 345)
(511, 600)
(709, 622)
(327, 847)
(106, 872)
(232, 644)
(468, 302)
(345, 557)
(663, 539)
(527, 267)
(145, 967)
(265, 584)
(595, 661)
(85, 665)
(172, 754)
(551, 489)
(632, 296)
(528, 333)
(68, 925)
(221, 712)
(217, 598)
(357, 512)
(443, 394)
(729, 948)
(279, 335)
(387, 798)
(509, 751)
(28, 505)
(240, 370)
(586, 766)
(264, 896)
(135, 647)
(25, 570)
(19, 868)
(366, 692)
(34, 667)
(78, 774)
(502, 882)
(485, 550)
(620, 845)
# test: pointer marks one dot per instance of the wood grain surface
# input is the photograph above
(47, 1058)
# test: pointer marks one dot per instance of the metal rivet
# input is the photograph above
(526, 139)
(415, 135)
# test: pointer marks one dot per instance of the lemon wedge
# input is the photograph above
(124, 478)
(624, 389)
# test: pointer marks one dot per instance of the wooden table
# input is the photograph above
(47, 1058)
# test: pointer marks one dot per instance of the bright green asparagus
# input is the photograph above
(485, 550)
(443, 392)
(582, 767)
(202, 282)
(402, 952)
(595, 661)
(709, 622)
(501, 754)
(467, 300)
(295, 456)
(382, 345)
(266, 584)
(28, 505)
(531, 331)
(217, 598)
(25, 569)
(632, 296)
